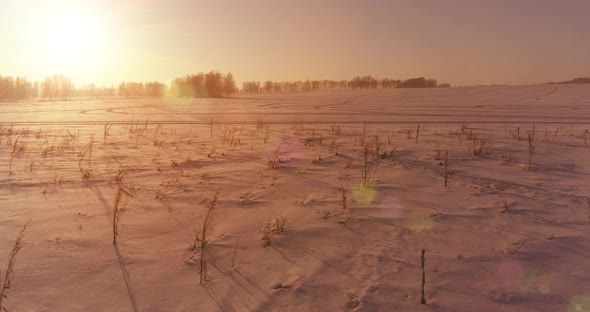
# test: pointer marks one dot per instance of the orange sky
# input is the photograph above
(463, 42)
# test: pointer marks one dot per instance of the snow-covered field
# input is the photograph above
(504, 235)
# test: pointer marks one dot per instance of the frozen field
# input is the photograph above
(361, 190)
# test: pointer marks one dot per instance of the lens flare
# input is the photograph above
(579, 304)
(363, 195)
(420, 221)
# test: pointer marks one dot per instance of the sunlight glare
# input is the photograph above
(69, 38)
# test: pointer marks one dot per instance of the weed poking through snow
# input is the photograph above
(423, 299)
(9, 273)
(272, 227)
(202, 235)
(121, 200)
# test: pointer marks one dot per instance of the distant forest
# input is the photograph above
(365, 82)
(212, 85)
(576, 80)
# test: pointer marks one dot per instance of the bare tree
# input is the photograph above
(229, 85)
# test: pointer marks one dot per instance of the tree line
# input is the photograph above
(92, 91)
(59, 87)
(152, 89)
(212, 84)
(18, 88)
(365, 82)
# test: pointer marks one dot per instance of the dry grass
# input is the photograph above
(274, 179)
(409, 133)
(107, 128)
(479, 147)
(86, 155)
(422, 298)
(211, 151)
(260, 124)
(30, 166)
(231, 137)
(161, 196)
(377, 146)
(370, 164)
(362, 143)
(531, 141)
(472, 135)
(446, 167)
(464, 127)
(275, 160)
(315, 139)
(9, 273)
(388, 155)
(272, 227)
(336, 130)
(202, 235)
(267, 233)
(155, 140)
(438, 154)
(503, 205)
(69, 139)
(514, 246)
(233, 258)
(120, 204)
(516, 134)
(266, 134)
(137, 140)
(317, 160)
(390, 135)
(301, 201)
(245, 198)
(16, 149)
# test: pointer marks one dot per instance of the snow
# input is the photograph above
(533, 257)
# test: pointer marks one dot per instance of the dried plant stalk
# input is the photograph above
(9, 274)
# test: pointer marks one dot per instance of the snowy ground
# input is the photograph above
(504, 235)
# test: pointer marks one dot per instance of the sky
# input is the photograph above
(462, 42)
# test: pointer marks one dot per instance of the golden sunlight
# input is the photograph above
(69, 38)
(327, 155)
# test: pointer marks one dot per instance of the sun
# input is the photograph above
(69, 38)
